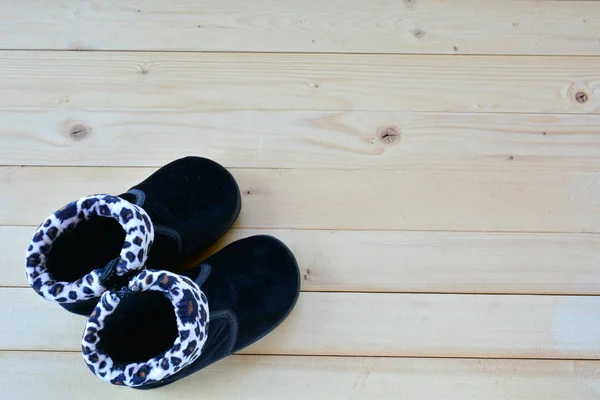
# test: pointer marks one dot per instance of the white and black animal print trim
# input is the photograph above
(139, 234)
(191, 313)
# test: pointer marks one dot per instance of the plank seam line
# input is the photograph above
(408, 293)
(575, 113)
(280, 228)
(408, 168)
(324, 53)
(592, 360)
(591, 112)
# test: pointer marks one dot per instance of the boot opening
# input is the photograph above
(88, 246)
(142, 327)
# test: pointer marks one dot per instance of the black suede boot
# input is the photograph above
(157, 331)
(97, 242)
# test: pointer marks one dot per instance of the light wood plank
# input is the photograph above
(368, 324)
(448, 262)
(512, 200)
(289, 139)
(382, 26)
(226, 81)
(299, 378)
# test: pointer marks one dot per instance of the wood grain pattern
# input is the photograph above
(367, 324)
(272, 378)
(512, 200)
(307, 140)
(432, 164)
(378, 261)
(243, 81)
(424, 26)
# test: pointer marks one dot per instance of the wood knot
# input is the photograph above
(307, 274)
(78, 131)
(143, 69)
(581, 97)
(418, 33)
(388, 135)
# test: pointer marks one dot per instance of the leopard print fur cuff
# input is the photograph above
(139, 235)
(190, 308)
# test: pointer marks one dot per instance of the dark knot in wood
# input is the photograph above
(78, 131)
(388, 135)
(581, 97)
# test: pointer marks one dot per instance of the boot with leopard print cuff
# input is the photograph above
(173, 313)
(97, 242)
(156, 331)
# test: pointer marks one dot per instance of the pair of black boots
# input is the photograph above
(112, 258)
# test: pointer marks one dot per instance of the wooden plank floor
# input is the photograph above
(434, 165)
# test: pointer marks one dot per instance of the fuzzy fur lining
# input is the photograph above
(191, 313)
(139, 234)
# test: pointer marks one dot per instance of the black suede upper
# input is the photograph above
(194, 196)
(251, 286)
(257, 278)
(191, 201)
(239, 295)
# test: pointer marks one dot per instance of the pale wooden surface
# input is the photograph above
(280, 81)
(306, 140)
(513, 199)
(409, 261)
(342, 26)
(273, 378)
(459, 261)
(374, 324)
